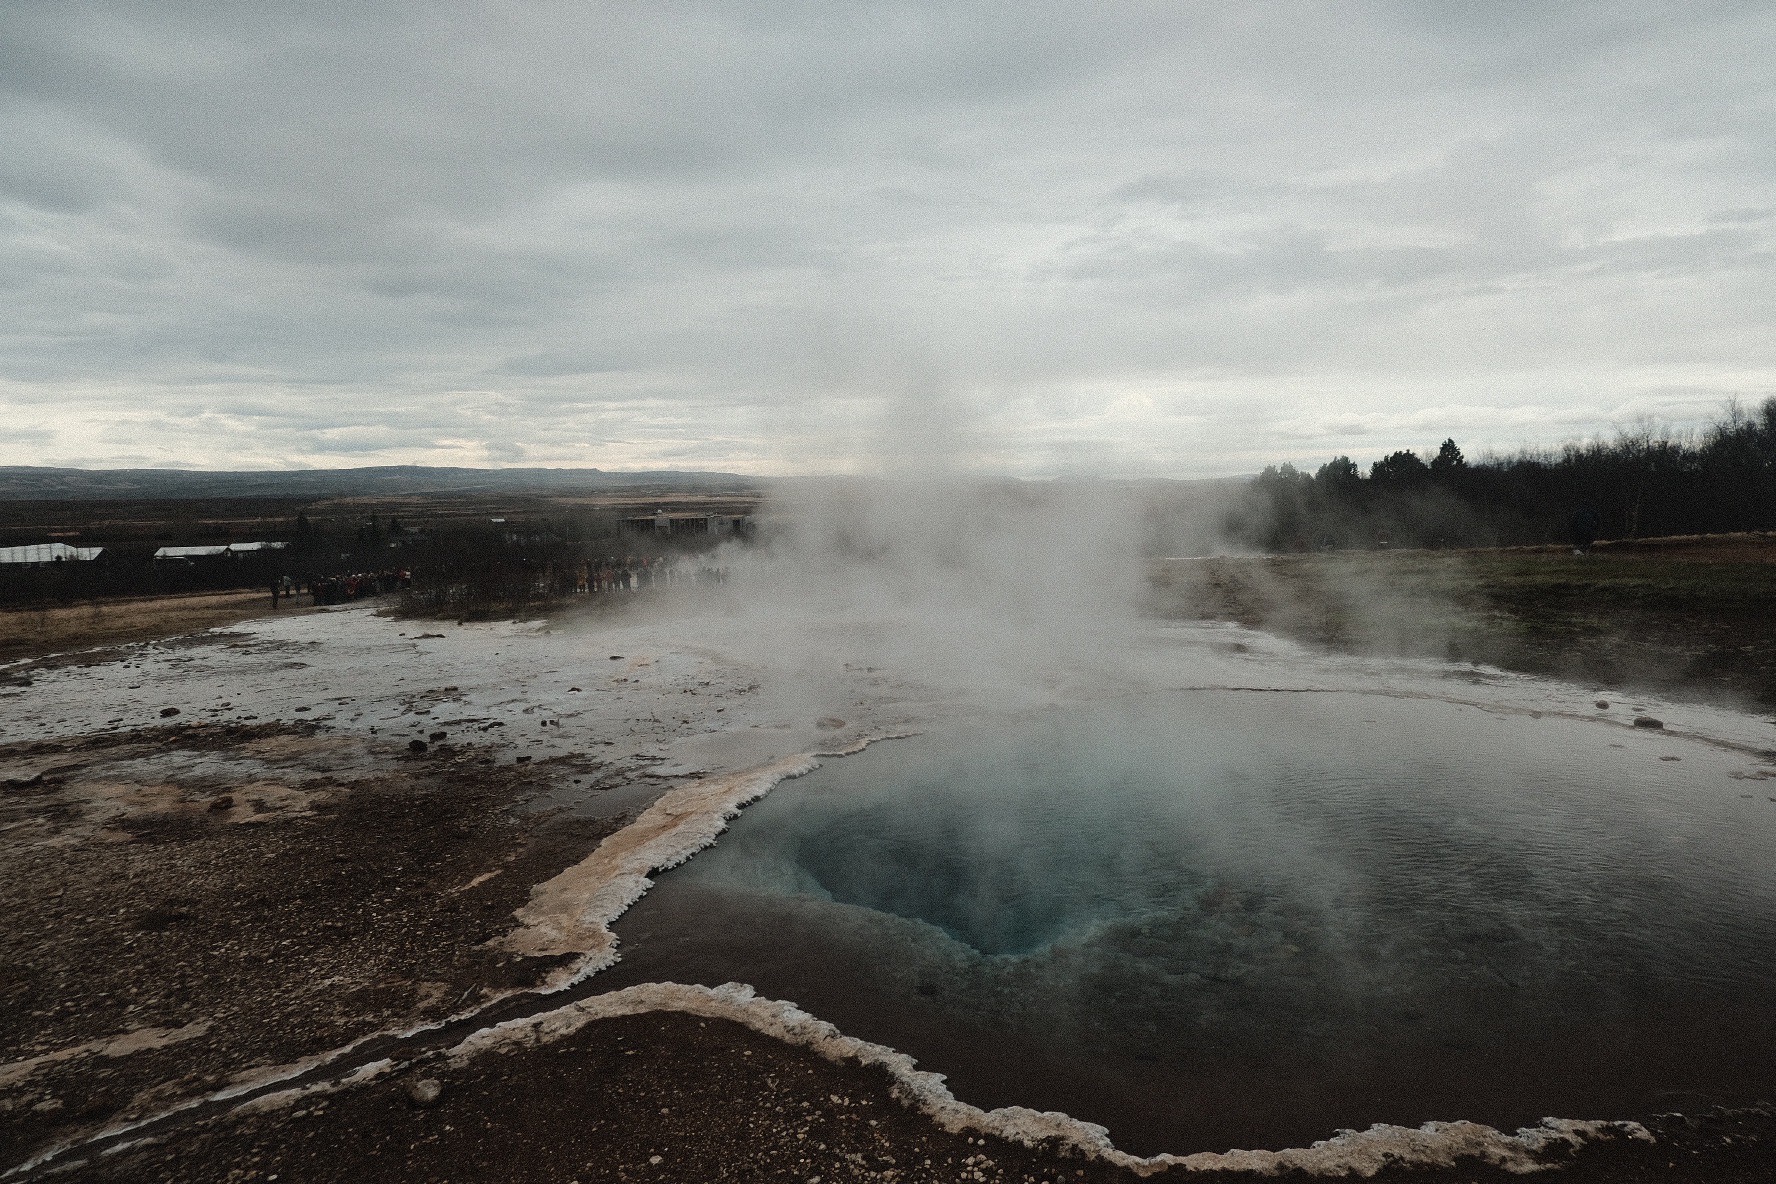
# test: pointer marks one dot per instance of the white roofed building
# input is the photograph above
(35, 553)
(220, 551)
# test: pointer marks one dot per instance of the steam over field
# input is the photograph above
(1193, 883)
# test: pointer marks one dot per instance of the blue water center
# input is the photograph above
(1203, 918)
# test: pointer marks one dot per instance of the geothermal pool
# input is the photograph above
(1220, 918)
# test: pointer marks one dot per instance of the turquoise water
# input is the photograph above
(1212, 918)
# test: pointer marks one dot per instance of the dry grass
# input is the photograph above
(1689, 615)
(32, 633)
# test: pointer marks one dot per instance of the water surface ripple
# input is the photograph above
(1206, 919)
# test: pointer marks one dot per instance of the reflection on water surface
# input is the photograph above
(1215, 918)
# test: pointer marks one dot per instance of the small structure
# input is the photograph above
(662, 523)
(188, 553)
(33, 554)
(219, 551)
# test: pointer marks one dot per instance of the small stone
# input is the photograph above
(1647, 721)
(165, 712)
(654, 1159)
(426, 1091)
(616, 657)
(437, 736)
(416, 745)
(523, 760)
(829, 723)
(225, 802)
(1603, 704)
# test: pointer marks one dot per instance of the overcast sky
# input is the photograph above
(1178, 239)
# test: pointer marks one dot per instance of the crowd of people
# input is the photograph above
(340, 589)
(611, 573)
(631, 574)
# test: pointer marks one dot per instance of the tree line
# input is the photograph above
(1640, 483)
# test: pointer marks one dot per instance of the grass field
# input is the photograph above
(1695, 616)
(33, 633)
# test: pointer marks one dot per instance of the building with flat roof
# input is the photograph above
(35, 553)
(218, 551)
(660, 522)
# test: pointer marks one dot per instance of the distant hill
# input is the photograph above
(31, 483)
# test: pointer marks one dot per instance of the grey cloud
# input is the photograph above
(1146, 236)
(558, 364)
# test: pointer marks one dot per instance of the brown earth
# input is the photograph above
(237, 896)
(33, 633)
(666, 1097)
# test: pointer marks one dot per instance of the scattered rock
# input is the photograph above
(426, 1091)
(616, 657)
(437, 736)
(165, 712)
(573, 690)
(1603, 704)
(1647, 721)
(423, 636)
(416, 745)
(523, 760)
(225, 802)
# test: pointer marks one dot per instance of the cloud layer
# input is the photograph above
(1139, 238)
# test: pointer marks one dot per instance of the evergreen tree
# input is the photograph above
(1449, 459)
(1399, 468)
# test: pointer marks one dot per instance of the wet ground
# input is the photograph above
(226, 855)
(186, 905)
(670, 1098)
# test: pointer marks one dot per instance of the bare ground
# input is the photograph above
(248, 911)
(34, 633)
(666, 1097)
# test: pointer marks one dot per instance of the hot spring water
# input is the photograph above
(1218, 918)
